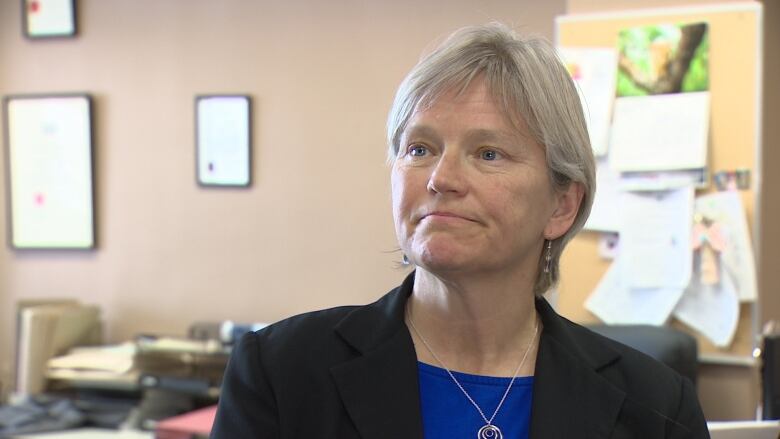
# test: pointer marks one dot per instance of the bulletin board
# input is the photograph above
(735, 127)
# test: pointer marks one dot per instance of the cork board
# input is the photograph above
(735, 75)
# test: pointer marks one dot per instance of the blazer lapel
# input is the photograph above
(570, 398)
(379, 387)
(380, 390)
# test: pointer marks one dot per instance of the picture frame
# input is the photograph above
(49, 171)
(223, 140)
(49, 18)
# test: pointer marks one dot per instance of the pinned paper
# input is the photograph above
(593, 70)
(661, 115)
(663, 180)
(655, 236)
(712, 310)
(602, 215)
(658, 133)
(708, 242)
(726, 209)
(609, 245)
(615, 303)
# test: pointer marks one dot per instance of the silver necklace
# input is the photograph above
(488, 431)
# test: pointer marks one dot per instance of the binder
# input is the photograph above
(45, 330)
(770, 374)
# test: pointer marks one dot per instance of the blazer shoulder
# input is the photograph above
(633, 371)
(651, 387)
(302, 331)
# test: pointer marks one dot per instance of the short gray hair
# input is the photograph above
(527, 79)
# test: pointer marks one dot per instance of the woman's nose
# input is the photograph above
(447, 176)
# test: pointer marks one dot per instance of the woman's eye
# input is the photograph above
(418, 151)
(489, 154)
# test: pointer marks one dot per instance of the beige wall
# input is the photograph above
(586, 6)
(315, 228)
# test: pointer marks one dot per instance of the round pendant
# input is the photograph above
(489, 432)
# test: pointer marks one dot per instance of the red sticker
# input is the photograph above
(35, 6)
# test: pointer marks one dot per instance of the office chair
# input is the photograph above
(676, 349)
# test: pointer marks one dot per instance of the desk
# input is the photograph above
(744, 430)
(90, 433)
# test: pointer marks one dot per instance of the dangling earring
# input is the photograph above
(548, 257)
(405, 260)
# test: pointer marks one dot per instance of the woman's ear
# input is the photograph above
(568, 204)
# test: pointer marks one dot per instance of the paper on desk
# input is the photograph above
(594, 70)
(737, 259)
(712, 310)
(116, 359)
(614, 302)
(655, 236)
(660, 132)
(604, 215)
(178, 345)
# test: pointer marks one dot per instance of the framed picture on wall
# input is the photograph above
(49, 18)
(223, 140)
(49, 171)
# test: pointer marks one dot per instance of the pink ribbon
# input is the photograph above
(712, 235)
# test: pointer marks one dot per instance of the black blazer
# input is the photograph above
(351, 372)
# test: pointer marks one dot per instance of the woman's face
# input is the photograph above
(471, 193)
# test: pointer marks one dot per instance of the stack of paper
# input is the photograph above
(99, 366)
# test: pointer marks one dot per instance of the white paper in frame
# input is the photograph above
(49, 18)
(49, 171)
(223, 140)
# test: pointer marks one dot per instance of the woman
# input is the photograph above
(492, 174)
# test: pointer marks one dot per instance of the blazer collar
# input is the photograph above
(571, 398)
(380, 390)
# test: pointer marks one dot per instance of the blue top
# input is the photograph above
(447, 414)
